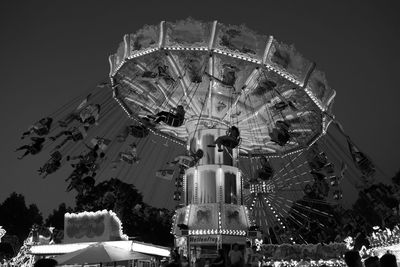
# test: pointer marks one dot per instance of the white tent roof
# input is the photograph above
(99, 253)
(57, 249)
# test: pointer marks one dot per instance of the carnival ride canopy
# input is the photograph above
(227, 75)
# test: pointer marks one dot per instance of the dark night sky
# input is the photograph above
(52, 51)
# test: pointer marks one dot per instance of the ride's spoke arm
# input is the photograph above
(315, 211)
(163, 90)
(290, 216)
(139, 90)
(280, 177)
(211, 64)
(182, 81)
(245, 91)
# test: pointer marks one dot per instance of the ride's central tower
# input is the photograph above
(214, 214)
(216, 178)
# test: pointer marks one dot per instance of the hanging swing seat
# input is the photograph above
(364, 165)
(174, 121)
(49, 167)
(184, 161)
(279, 136)
(41, 131)
(147, 76)
(129, 158)
(89, 121)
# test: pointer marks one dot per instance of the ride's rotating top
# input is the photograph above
(226, 75)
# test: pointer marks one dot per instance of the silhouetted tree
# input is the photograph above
(150, 224)
(139, 220)
(56, 218)
(396, 178)
(17, 218)
(34, 214)
(6, 251)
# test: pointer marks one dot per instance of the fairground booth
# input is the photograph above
(96, 239)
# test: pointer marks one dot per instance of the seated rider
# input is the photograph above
(185, 161)
(75, 134)
(363, 163)
(79, 171)
(34, 148)
(138, 131)
(194, 70)
(308, 190)
(230, 140)
(317, 160)
(89, 115)
(281, 106)
(41, 128)
(174, 118)
(52, 165)
(322, 188)
(280, 134)
(90, 157)
(76, 183)
(162, 73)
(81, 184)
(81, 168)
(123, 134)
(229, 75)
(149, 75)
(130, 156)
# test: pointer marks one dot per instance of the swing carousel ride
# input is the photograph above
(251, 112)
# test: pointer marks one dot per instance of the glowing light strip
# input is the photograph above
(219, 232)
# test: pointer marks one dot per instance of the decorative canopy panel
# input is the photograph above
(212, 218)
(222, 76)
